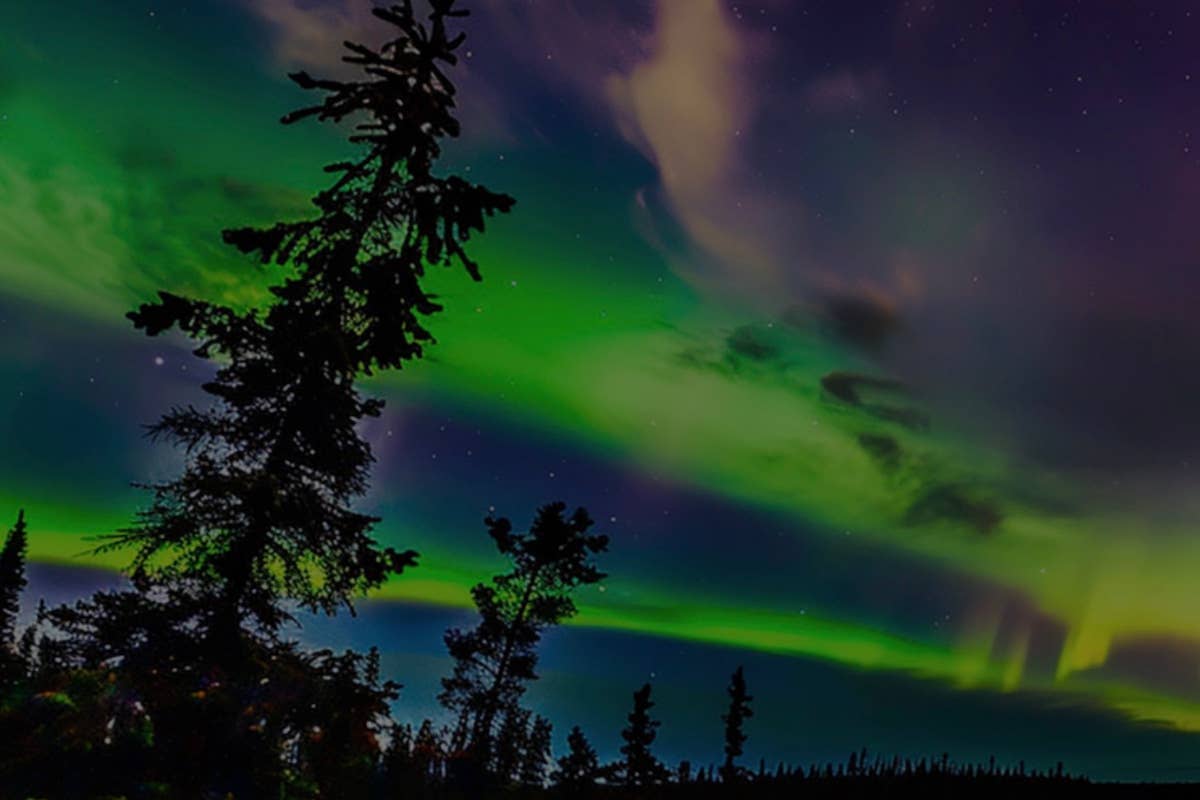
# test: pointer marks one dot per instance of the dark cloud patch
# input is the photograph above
(845, 386)
(936, 501)
(747, 342)
(953, 504)
(883, 449)
(859, 320)
(705, 360)
(849, 387)
(746, 348)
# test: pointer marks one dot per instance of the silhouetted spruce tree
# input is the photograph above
(262, 514)
(262, 511)
(580, 767)
(496, 659)
(640, 768)
(12, 583)
(739, 711)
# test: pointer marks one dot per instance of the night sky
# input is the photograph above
(866, 330)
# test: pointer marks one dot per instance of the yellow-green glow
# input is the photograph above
(115, 182)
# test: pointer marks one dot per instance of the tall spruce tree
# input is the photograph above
(734, 719)
(496, 659)
(263, 510)
(640, 768)
(262, 515)
(12, 583)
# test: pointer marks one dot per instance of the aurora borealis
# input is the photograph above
(866, 331)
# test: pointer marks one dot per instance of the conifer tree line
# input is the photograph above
(187, 682)
(56, 709)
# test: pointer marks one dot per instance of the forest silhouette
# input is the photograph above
(186, 683)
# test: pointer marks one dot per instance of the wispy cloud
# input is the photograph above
(687, 107)
(309, 34)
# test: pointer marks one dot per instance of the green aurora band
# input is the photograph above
(119, 165)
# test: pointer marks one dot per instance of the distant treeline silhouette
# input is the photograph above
(76, 726)
(185, 683)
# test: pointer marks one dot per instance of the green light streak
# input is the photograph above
(583, 336)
